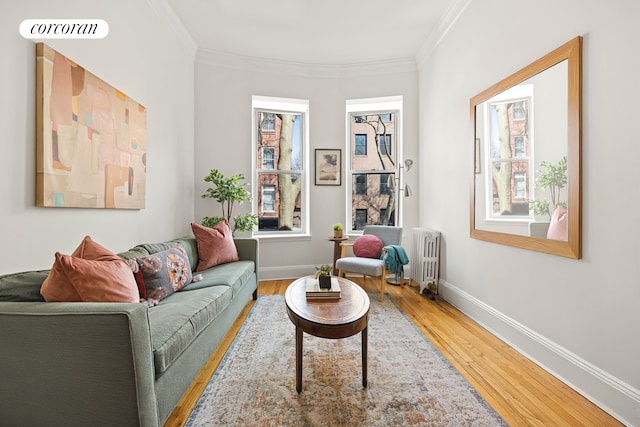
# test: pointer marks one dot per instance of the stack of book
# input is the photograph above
(314, 291)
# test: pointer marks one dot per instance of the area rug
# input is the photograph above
(410, 382)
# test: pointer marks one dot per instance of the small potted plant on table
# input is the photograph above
(337, 231)
(323, 274)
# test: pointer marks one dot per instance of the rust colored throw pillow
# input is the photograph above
(91, 274)
(558, 227)
(215, 245)
(163, 273)
(368, 246)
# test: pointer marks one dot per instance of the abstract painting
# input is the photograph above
(90, 138)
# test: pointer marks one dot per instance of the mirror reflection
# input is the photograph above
(526, 189)
(522, 143)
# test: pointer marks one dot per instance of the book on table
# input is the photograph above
(314, 291)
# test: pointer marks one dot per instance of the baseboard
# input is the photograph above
(613, 395)
(286, 272)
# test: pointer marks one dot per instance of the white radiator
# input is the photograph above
(425, 262)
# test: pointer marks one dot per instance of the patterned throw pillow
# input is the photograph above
(368, 246)
(163, 273)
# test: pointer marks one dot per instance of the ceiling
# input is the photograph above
(313, 31)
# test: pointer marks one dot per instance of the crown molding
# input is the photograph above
(239, 62)
(164, 10)
(445, 23)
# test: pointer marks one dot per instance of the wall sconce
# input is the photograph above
(408, 163)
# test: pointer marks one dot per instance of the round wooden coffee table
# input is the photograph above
(337, 318)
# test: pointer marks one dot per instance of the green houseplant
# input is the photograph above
(323, 274)
(337, 230)
(553, 177)
(228, 191)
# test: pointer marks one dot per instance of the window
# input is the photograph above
(384, 183)
(519, 110)
(518, 146)
(268, 158)
(385, 144)
(268, 198)
(372, 200)
(360, 219)
(280, 184)
(268, 122)
(361, 184)
(361, 144)
(520, 185)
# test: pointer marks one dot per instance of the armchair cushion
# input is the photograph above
(369, 266)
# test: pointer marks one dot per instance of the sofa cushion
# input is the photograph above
(233, 274)
(22, 287)
(91, 274)
(215, 245)
(162, 273)
(179, 319)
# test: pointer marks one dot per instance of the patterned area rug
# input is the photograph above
(410, 382)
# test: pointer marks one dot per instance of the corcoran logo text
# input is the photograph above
(64, 29)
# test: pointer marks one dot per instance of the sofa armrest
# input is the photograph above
(248, 250)
(76, 364)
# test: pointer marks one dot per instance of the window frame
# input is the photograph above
(288, 106)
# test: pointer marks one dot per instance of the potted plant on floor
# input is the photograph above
(228, 191)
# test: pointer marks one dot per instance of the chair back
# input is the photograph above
(388, 234)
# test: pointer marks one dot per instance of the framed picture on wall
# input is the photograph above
(328, 167)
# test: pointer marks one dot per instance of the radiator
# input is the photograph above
(425, 260)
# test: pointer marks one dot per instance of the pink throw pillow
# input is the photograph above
(558, 227)
(91, 274)
(215, 245)
(368, 246)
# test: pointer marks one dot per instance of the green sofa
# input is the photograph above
(114, 364)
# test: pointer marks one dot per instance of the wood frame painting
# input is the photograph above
(90, 138)
(328, 167)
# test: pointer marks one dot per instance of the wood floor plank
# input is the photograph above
(523, 393)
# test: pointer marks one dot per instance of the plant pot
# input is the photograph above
(324, 282)
(337, 234)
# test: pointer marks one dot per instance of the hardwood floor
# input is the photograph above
(519, 390)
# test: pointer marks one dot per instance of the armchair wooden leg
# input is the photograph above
(382, 284)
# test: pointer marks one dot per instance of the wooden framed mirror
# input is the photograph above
(526, 186)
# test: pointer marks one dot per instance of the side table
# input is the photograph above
(337, 250)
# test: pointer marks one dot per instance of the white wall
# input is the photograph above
(145, 57)
(577, 318)
(223, 139)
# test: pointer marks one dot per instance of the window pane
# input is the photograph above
(285, 143)
(373, 160)
(277, 208)
(509, 162)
